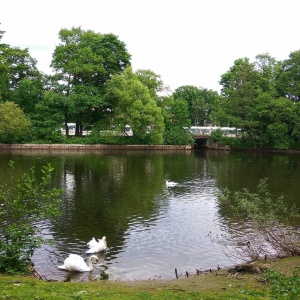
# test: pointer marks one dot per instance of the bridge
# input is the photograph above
(206, 131)
(200, 141)
(202, 133)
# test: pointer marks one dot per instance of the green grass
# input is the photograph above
(216, 285)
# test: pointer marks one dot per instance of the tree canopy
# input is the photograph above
(132, 104)
(256, 98)
(94, 86)
(83, 62)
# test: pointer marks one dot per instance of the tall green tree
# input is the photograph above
(48, 118)
(180, 114)
(3, 80)
(280, 127)
(20, 80)
(267, 67)
(193, 97)
(211, 100)
(250, 101)
(132, 104)
(3, 73)
(83, 62)
(273, 121)
(240, 85)
(296, 123)
(176, 128)
(14, 125)
(152, 81)
(289, 77)
(274, 115)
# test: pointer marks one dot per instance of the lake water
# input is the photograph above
(150, 229)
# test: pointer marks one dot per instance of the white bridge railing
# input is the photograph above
(207, 130)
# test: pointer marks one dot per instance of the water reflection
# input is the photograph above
(150, 229)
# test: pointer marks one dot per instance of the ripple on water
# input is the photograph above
(177, 236)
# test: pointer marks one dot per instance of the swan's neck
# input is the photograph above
(91, 263)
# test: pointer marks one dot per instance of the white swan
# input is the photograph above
(171, 183)
(96, 247)
(75, 263)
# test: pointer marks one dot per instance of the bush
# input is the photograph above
(270, 220)
(23, 201)
(216, 135)
(108, 139)
(14, 125)
(178, 136)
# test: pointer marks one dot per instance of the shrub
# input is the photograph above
(270, 221)
(23, 201)
(14, 125)
(177, 135)
(216, 135)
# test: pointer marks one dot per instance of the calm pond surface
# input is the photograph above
(150, 229)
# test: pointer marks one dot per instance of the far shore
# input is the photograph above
(83, 147)
(96, 148)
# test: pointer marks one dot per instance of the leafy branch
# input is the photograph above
(23, 202)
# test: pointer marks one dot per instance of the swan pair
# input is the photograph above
(75, 263)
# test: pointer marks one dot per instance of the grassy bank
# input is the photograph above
(216, 285)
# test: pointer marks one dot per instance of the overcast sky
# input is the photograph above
(186, 42)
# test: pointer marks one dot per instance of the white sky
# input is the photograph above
(186, 42)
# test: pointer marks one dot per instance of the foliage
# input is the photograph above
(236, 143)
(20, 66)
(28, 94)
(152, 81)
(23, 202)
(21, 82)
(261, 97)
(179, 114)
(266, 66)
(216, 135)
(288, 77)
(38, 136)
(84, 61)
(270, 219)
(211, 106)
(177, 135)
(176, 124)
(283, 286)
(193, 98)
(47, 120)
(240, 87)
(133, 105)
(255, 100)
(14, 125)
(108, 138)
(3, 80)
